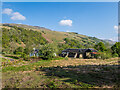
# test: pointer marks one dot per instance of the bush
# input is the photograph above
(115, 55)
(19, 50)
(116, 49)
(26, 58)
(52, 84)
(47, 51)
(103, 56)
(97, 56)
(23, 55)
(100, 47)
(3, 53)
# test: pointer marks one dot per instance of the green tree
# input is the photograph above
(27, 50)
(100, 47)
(116, 49)
(47, 51)
(19, 50)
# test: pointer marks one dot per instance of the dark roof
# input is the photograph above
(74, 50)
(36, 51)
(91, 50)
(79, 50)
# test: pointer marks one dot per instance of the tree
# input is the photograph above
(116, 49)
(27, 50)
(19, 50)
(100, 47)
(47, 51)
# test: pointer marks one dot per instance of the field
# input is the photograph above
(63, 73)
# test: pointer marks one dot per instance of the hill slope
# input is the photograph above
(34, 36)
(14, 37)
(57, 36)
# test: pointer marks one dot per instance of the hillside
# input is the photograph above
(19, 35)
(46, 71)
(60, 35)
(15, 37)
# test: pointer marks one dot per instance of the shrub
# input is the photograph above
(47, 51)
(100, 47)
(23, 55)
(97, 56)
(19, 50)
(115, 55)
(116, 49)
(103, 56)
(26, 58)
(3, 53)
(52, 84)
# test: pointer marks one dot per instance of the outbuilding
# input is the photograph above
(79, 53)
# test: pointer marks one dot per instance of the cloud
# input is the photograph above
(14, 15)
(65, 22)
(17, 16)
(19, 23)
(67, 31)
(116, 28)
(114, 39)
(7, 11)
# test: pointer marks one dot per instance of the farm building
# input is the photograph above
(79, 53)
(34, 53)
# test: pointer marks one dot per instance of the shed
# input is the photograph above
(78, 53)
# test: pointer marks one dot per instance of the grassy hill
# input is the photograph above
(15, 37)
(58, 72)
(19, 35)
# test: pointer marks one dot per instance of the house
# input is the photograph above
(34, 53)
(79, 53)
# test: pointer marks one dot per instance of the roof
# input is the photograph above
(91, 49)
(80, 50)
(35, 51)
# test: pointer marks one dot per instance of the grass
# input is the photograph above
(5, 60)
(70, 73)
(25, 67)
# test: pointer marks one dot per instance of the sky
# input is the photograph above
(60, 0)
(96, 19)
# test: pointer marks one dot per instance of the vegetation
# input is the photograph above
(116, 49)
(20, 40)
(72, 43)
(100, 47)
(71, 73)
(51, 71)
(16, 39)
(47, 51)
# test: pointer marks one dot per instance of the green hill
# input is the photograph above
(15, 37)
(19, 35)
